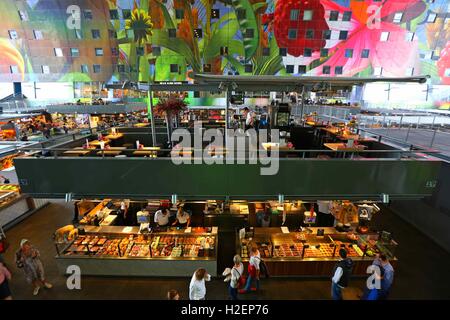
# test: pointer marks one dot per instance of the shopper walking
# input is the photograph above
(253, 270)
(197, 287)
(236, 273)
(341, 275)
(387, 275)
(5, 277)
(28, 259)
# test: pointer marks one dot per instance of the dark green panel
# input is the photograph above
(144, 177)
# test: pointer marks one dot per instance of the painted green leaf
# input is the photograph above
(270, 65)
(167, 18)
(220, 38)
(236, 47)
(368, 72)
(250, 43)
(229, 16)
(161, 38)
(429, 68)
(236, 64)
(75, 77)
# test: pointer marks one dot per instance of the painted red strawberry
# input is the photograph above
(444, 63)
(282, 23)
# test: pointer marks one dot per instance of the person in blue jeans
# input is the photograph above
(253, 270)
(341, 275)
(387, 275)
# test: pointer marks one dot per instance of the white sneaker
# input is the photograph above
(48, 285)
(36, 291)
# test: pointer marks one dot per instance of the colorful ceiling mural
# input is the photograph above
(170, 39)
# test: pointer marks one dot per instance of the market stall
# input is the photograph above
(313, 251)
(124, 251)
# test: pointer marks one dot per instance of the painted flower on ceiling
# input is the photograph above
(141, 25)
(443, 64)
(394, 56)
(291, 33)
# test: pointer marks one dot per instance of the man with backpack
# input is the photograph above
(341, 275)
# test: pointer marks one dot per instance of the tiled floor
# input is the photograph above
(421, 274)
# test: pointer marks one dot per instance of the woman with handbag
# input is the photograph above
(236, 277)
(28, 258)
(253, 271)
(5, 276)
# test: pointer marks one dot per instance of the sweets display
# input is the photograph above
(138, 246)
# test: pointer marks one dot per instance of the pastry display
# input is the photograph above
(138, 246)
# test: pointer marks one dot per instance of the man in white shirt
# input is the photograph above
(324, 216)
(197, 288)
(162, 217)
(248, 118)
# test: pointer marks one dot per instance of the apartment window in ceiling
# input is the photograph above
(248, 68)
(126, 13)
(249, 33)
(99, 52)
(140, 51)
(266, 52)
(409, 72)
(13, 34)
(112, 34)
(78, 34)
(294, 14)
(121, 68)
(307, 15)
(398, 17)
(409, 36)
(326, 70)
(223, 51)
(307, 52)
(309, 34)
(114, 14)
(173, 68)
(74, 52)
(326, 34)
(365, 53)
(38, 34)
(334, 15)
(198, 33)
(115, 51)
(179, 13)
(301, 69)
(87, 14)
(283, 52)
(14, 69)
(215, 13)
(349, 53)
(347, 16)
(323, 53)
(384, 36)
(429, 55)
(23, 15)
(84, 68)
(343, 34)
(292, 34)
(241, 14)
(45, 69)
(58, 52)
(172, 33)
(95, 34)
(338, 70)
(290, 68)
(431, 17)
(156, 51)
(377, 71)
(97, 68)
(207, 68)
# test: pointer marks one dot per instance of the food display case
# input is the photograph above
(313, 251)
(123, 251)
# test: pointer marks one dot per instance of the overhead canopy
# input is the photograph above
(216, 83)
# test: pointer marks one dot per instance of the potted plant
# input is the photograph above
(170, 108)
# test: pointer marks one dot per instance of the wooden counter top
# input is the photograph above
(343, 147)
